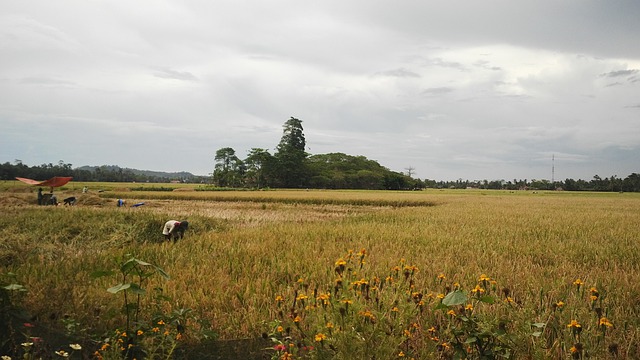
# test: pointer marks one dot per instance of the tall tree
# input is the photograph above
(229, 168)
(258, 164)
(291, 157)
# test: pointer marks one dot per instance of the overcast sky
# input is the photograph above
(453, 89)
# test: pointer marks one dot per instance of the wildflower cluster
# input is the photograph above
(366, 315)
(395, 315)
(154, 340)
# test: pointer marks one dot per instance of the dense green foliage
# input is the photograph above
(292, 167)
(104, 173)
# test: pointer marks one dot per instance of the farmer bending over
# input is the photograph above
(174, 229)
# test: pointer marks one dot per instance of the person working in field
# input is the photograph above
(174, 229)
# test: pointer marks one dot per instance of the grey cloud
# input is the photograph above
(367, 77)
(399, 73)
(437, 91)
(45, 81)
(447, 64)
(619, 73)
(486, 65)
(175, 75)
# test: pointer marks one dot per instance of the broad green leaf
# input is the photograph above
(134, 288)
(13, 287)
(140, 262)
(128, 265)
(471, 340)
(456, 297)
(118, 288)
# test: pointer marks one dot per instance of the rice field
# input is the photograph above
(245, 249)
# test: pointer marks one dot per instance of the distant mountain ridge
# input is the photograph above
(150, 173)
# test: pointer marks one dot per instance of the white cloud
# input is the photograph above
(452, 91)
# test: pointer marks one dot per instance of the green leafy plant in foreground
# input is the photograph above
(130, 342)
(155, 334)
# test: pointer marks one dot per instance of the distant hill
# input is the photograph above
(149, 173)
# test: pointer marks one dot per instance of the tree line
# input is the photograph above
(290, 166)
(104, 173)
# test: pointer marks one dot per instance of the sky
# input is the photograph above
(446, 90)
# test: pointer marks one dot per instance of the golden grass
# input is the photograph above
(534, 244)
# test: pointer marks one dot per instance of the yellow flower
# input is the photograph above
(104, 347)
(178, 336)
(509, 300)
(279, 298)
(440, 296)
(75, 346)
(441, 277)
(400, 354)
(367, 315)
(329, 325)
(451, 312)
(161, 322)
(578, 283)
(320, 337)
(484, 277)
(139, 332)
(560, 304)
(155, 329)
(477, 290)
(394, 309)
(341, 262)
(431, 330)
(604, 322)
(279, 329)
(297, 319)
(468, 307)
(62, 353)
(574, 324)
